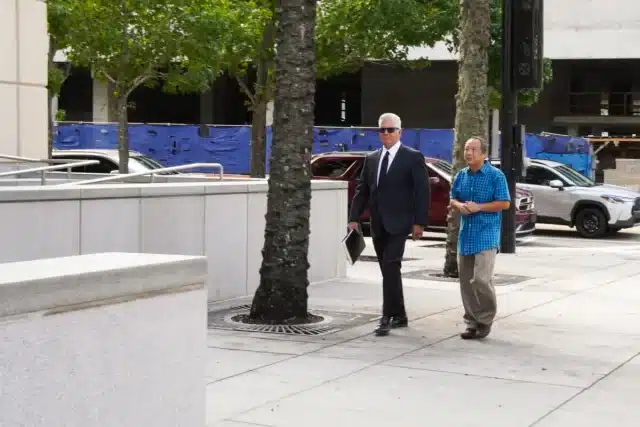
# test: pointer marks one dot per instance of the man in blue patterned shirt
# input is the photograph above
(480, 193)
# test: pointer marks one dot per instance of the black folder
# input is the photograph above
(353, 244)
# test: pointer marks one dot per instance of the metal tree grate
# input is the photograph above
(373, 258)
(436, 275)
(332, 322)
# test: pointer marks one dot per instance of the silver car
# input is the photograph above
(566, 197)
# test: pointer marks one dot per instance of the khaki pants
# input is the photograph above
(476, 287)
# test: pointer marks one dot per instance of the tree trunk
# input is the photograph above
(258, 138)
(472, 100)
(123, 130)
(282, 294)
(263, 93)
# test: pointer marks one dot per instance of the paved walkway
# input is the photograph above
(564, 352)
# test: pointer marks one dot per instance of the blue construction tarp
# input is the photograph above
(230, 145)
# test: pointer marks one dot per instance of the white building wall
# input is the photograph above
(23, 78)
(579, 29)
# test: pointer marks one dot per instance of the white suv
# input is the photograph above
(564, 196)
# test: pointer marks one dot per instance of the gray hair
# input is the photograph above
(484, 145)
(395, 119)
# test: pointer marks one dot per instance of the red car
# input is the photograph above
(346, 166)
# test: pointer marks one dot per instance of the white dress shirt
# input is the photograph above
(392, 154)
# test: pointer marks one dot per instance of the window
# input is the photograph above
(444, 167)
(105, 166)
(575, 176)
(330, 168)
(540, 176)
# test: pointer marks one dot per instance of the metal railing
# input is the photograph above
(44, 169)
(19, 159)
(152, 173)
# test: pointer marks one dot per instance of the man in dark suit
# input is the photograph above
(394, 184)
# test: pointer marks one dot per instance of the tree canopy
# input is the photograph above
(181, 44)
(350, 32)
(131, 42)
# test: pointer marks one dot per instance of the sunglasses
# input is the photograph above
(388, 130)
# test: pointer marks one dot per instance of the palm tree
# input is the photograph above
(472, 100)
(282, 294)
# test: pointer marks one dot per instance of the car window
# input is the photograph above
(575, 176)
(105, 165)
(540, 176)
(445, 167)
(330, 167)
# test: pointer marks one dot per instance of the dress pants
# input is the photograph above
(476, 288)
(390, 250)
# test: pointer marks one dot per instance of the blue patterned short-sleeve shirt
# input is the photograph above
(480, 231)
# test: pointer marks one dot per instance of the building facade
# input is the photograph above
(595, 88)
(23, 78)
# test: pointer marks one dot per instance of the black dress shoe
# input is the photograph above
(399, 322)
(479, 332)
(383, 327)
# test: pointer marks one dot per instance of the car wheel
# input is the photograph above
(591, 223)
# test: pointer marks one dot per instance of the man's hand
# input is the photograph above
(353, 226)
(460, 207)
(417, 232)
(472, 207)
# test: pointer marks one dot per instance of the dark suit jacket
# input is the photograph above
(401, 201)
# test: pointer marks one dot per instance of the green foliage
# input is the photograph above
(58, 17)
(184, 43)
(57, 26)
(57, 76)
(525, 97)
(350, 32)
(60, 115)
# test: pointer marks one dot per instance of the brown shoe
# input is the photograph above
(479, 332)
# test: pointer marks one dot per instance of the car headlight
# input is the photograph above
(616, 199)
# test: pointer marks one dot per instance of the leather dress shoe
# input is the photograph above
(399, 322)
(383, 327)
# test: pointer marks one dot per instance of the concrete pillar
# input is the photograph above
(103, 103)
(270, 113)
(572, 130)
(495, 134)
(24, 46)
(54, 108)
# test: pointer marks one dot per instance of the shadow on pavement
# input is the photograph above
(621, 236)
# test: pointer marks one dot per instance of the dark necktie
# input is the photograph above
(383, 168)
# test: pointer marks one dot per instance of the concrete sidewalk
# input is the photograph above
(564, 352)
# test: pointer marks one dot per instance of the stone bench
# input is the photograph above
(109, 339)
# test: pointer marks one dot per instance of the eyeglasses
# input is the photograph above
(387, 130)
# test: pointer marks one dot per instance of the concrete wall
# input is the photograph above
(103, 340)
(223, 221)
(626, 174)
(576, 29)
(23, 78)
